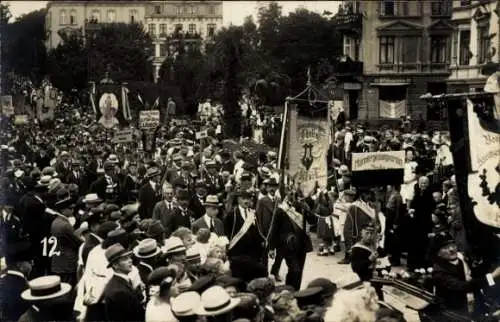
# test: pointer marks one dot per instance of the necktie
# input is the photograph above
(212, 228)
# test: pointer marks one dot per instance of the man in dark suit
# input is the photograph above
(149, 194)
(14, 282)
(106, 186)
(78, 176)
(63, 165)
(130, 186)
(209, 220)
(65, 261)
(213, 179)
(180, 216)
(266, 207)
(290, 237)
(36, 224)
(175, 170)
(162, 208)
(247, 244)
(122, 301)
(196, 204)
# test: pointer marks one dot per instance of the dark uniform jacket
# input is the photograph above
(68, 243)
(148, 197)
(12, 306)
(122, 301)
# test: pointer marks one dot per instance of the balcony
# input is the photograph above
(349, 22)
(348, 68)
(411, 68)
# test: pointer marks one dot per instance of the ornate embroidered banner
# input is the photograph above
(308, 144)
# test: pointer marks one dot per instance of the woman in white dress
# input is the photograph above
(409, 177)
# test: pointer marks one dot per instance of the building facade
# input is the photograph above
(475, 43)
(405, 50)
(169, 22)
(165, 21)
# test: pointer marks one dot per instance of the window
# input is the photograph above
(440, 8)
(152, 29)
(387, 8)
(409, 51)
(178, 10)
(403, 8)
(96, 16)
(157, 10)
(211, 29)
(163, 50)
(211, 10)
(48, 18)
(178, 27)
(483, 43)
(348, 44)
(185, 10)
(132, 15)
(387, 50)
(63, 17)
(111, 16)
(163, 29)
(464, 58)
(464, 3)
(72, 17)
(192, 28)
(194, 10)
(438, 49)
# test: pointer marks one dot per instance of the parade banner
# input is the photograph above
(484, 179)
(149, 119)
(378, 168)
(307, 151)
(7, 106)
(123, 136)
(110, 103)
(21, 119)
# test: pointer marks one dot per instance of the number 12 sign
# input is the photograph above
(49, 247)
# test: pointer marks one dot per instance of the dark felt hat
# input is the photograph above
(202, 284)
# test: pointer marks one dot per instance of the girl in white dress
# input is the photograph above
(409, 177)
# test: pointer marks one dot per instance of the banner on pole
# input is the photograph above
(201, 134)
(378, 168)
(123, 136)
(7, 106)
(110, 104)
(149, 119)
(483, 180)
(307, 150)
(21, 119)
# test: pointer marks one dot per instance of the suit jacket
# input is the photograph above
(122, 301)
(68, 244)
(251, 244)
(82, 181)
(100, 188)
(148, 197)
(264, 213)
(161, 212)
(201, 223)
(144, 270)
(12, 306)
(287, 236)
(129, 189)
(63, 170)
(176, 219)
(196, 205)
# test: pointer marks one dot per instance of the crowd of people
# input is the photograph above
(171, 228)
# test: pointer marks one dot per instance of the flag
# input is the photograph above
(127, 115)
(156, 104)
(92, 97)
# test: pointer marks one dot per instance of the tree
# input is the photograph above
(23, 49)
(5, 14)
(300, 48)
(227, 58)
(125, 48)
(68, 64)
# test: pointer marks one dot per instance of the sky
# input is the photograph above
(234, 12)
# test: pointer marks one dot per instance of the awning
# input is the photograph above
(390, 84)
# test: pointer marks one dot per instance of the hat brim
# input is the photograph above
(211, 204)
(27, 296)
(124, 254)
(232, 304)
(138, 255)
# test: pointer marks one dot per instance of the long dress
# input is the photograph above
(410, 179)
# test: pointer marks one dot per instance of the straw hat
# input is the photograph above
(174, 245)
(44, 288)
(216, 301)
(212, 201)
(147, 248)
(186, 304)
(91, 198)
